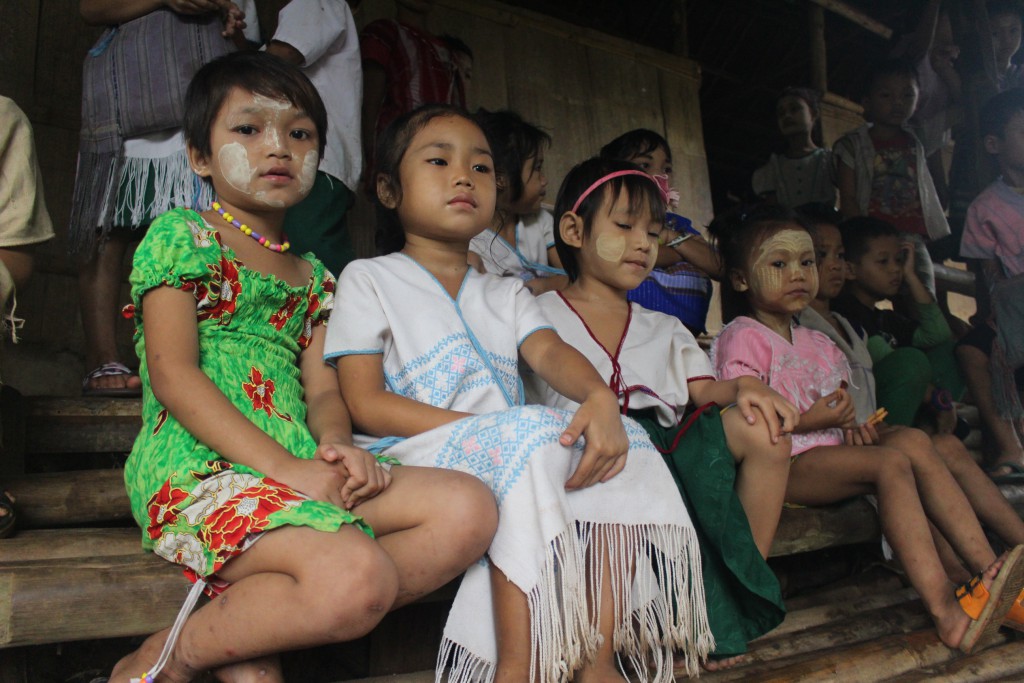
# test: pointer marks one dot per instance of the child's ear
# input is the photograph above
(500, 182)
(386, 191)
(738, 280)
(993, 145)
(851, 270)
(198, 161)
(570, 227)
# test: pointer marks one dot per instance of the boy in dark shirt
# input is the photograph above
(912, 356)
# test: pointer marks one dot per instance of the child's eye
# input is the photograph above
(481, 168)
(437, 162)
(654, 233)
(301, 134)
(246, 130)
(624, 226)
(644, 165)
(807, 262)
(778, 264)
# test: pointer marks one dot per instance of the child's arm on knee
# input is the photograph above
(380, 412)
(328, 421)
(571, 374)
(749, 393)
(178, 384)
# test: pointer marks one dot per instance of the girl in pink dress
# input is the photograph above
(769, 261)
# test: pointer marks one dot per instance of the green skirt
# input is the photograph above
(744, 600)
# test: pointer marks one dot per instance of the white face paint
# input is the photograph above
(234, 164)
(308, 173)
(610, 247)
(789, 246)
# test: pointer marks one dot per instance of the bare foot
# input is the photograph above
(713, 665)
(951, 621)
(600, 673)
(140, 661)
(262, 670)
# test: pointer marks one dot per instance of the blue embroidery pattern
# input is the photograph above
(449, 368)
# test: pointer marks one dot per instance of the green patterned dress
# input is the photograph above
(195, 508)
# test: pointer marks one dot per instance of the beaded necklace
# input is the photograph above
(284, 246)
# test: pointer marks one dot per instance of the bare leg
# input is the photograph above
(975, 367)
(761, 476)
(989, 504)
(433, 523)
(260, 670)
(951, 562)
(295, 588)
(99, 286)
(512, 627)
(831, 473)
(602, 668)
(943, 500)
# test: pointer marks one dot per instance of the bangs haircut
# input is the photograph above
(809, 96)
(392, 144)
(735, 234)
(635, 143)
(859, 231)
(255, 72)
(643, 194)
(512, 142)
(885, 68)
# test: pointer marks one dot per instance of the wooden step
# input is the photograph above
(70, 498)
(58, 544)
(81, 425)
(803, 529)
(1005, 662)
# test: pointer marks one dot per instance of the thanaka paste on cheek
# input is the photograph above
(307, 174)
(770, 280)
(610, 247)
(234, 165)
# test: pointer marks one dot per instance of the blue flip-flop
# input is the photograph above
(1014, 476)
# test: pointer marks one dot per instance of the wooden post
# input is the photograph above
(819, 62)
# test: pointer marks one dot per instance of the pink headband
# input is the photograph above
(601, 181)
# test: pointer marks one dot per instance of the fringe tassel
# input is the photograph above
(659, 610)
(97, 201)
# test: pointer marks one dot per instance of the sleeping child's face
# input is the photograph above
(622, 245)
(831, 258)
(264, 152)
(879, 272)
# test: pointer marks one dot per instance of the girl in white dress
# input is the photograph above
(427, 349)
(722, 441)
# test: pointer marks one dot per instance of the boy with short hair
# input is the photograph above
(994, 235)
(1005, 20)
(881, 168)
(912, 356)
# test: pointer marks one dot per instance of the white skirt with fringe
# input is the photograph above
(550, 543)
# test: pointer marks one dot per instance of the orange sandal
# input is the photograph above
(989, 606)
(1015, 617)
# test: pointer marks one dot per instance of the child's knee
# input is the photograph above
(753, 441)
(894, 464)
(357, 591)
(473, 512)
(953, 452)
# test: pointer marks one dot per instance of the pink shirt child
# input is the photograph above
(995, 228)
(804, 371)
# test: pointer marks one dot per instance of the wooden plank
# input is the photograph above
(56, 544)
(1005, 662)
(486, 38)
(51, 601)
(856, 16)
(803, 529)
(680, 101)
(67, 498)
(82, 425)
(611, 113)
(837, 610)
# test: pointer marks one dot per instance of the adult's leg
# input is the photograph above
(761, 475)
(99, 286)
(433, 523)
(296, 587)
(975, 366)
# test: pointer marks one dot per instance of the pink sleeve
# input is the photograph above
(979, 240)
(741, 350)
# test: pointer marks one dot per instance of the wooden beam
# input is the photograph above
(819, 62)
(68, 498)
(803, 529)
(856, 16)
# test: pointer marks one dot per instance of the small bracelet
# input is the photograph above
(676, 241)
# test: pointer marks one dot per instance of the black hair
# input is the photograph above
(888, 67)
(512, 142)
(997, 112)
(735, 234)
(635, 143)
(255, 72)
(998, 8)
(643, 193)
(808, 95)
(819, 212)
(392, 144)
(456, 45)
(859, 231)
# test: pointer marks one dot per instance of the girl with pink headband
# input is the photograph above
(730, 465)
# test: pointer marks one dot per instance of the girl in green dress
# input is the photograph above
(245, 436)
